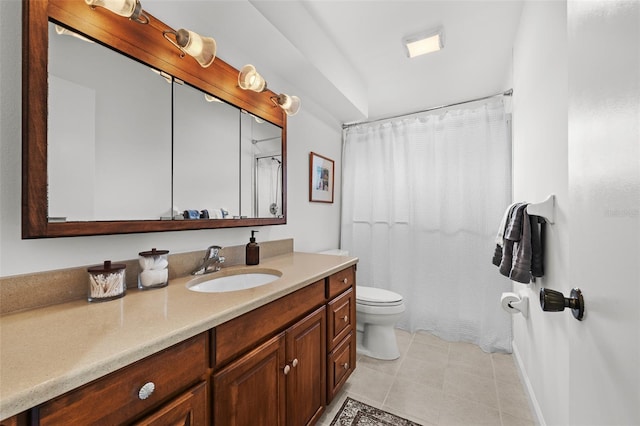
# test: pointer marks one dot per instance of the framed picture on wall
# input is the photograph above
(321, 177)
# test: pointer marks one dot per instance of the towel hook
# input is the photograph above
(545, 209)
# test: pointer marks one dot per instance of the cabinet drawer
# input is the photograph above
(341, 363)
(188, 409)
(341, 317)
(340, 281)
(115, 399)
(242, 333)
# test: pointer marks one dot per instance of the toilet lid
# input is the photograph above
(377, 296)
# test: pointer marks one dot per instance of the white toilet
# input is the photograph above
(377, 312)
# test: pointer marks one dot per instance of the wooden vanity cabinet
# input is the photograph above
(168, 387)
(277, 365)
(280, 364)
(281, 382)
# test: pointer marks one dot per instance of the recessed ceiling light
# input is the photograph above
(423, 43)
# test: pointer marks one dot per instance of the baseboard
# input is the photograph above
(531, 396)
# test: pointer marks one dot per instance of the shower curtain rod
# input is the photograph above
(505, 93)
(255, 141)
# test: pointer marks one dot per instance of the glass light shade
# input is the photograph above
(119, 7)
(203, 49)
(249, 79)
(290, 104)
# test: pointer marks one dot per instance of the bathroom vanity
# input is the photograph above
(273, 354)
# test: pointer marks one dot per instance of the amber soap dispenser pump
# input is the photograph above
(252, 251)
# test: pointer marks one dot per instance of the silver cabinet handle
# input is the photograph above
(346, 366)
(286, 369)
(345, 280)
(346, 318)
(295, 362)
(146, 390)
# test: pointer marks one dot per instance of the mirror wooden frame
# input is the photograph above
(146, 44)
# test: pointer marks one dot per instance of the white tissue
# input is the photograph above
(153, 277)
(159, 263)
(512, 303)
(152, 262)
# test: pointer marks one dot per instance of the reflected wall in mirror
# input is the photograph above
(261, 147)
(109, 134)
(206, 153)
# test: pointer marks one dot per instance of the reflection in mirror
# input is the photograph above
(206, 154)
(261, 168)
(109, 134)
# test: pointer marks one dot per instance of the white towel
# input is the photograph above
(503, 225)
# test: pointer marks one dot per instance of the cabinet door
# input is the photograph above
(306, 381)
(251, 390)
(189, 409)
(342, 362)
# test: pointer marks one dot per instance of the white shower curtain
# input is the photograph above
(422, 200)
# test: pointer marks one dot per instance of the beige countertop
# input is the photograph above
(49, 351)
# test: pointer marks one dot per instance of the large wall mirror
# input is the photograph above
(121, 134)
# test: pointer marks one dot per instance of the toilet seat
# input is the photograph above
(371, 296)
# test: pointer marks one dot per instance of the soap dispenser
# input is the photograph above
(252, 251)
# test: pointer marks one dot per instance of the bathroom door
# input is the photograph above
(604, 190)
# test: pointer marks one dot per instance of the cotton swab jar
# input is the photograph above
(154, 272)
(106, 281)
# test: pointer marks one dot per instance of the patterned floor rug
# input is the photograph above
(356, 413)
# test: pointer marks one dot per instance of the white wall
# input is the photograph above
(540, 169)
(314, 226)
(576, 101)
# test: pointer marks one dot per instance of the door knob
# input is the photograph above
(287, 368)
(295, 362)
(554, 301)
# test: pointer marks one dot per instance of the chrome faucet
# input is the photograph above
(212, 261)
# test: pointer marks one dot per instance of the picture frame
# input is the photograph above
(321, 178)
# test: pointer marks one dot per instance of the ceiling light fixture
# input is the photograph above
(424, 42)
(131, 9)
(290, 104)
(249, 79)
(202, 49)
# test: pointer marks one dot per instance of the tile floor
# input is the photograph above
(435, 382)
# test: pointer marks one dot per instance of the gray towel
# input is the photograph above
(521, 266)
(537, 256)
(497, 254)
(512, 234)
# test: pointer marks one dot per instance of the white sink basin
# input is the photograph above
(223, 281)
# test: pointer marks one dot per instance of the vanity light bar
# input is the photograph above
(250, 79)
(131, 9)
(202, 49)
